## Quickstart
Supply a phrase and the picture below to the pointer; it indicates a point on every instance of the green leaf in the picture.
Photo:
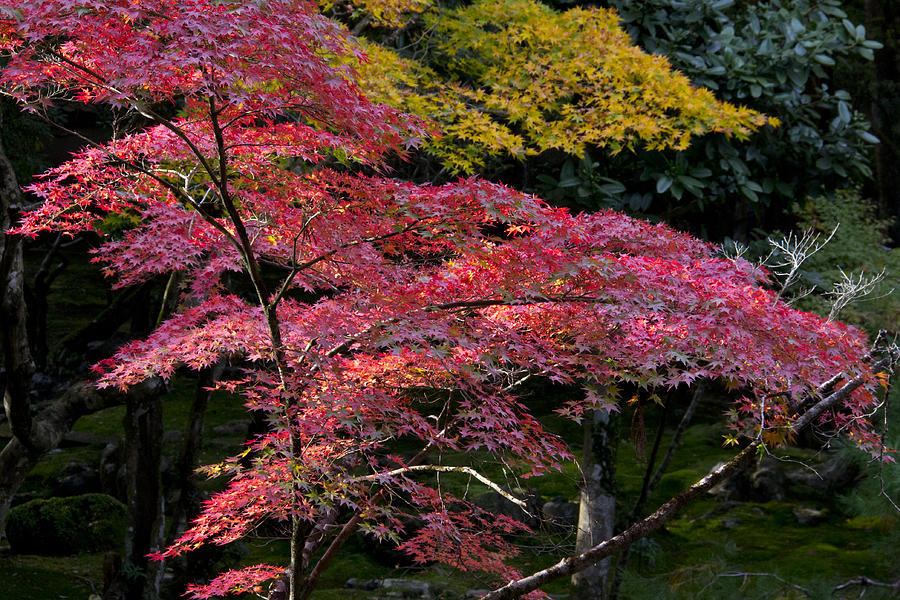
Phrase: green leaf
(663, 184)
(867, 137)
(844, 111)
(749, 194)
(850, 27)
(611, 189)
(753, 186)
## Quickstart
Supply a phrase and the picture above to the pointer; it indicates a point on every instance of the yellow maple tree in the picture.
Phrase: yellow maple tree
(516, 78)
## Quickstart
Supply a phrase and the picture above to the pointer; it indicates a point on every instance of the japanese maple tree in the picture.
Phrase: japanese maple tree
(377, 310)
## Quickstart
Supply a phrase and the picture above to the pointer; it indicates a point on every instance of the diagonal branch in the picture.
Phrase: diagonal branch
(618, 543)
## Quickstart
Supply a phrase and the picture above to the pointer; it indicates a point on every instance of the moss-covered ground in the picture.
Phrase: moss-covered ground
(703, 553)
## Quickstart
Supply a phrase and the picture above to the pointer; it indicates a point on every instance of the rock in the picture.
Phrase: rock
(808, 516)
(172, 436)
(396, 588)
(767, 481)
(88, 523)
(731, 522)
(406, 588)
(368, 585)
(834, 475)
(734, 489)
(497, 504)
(236, 427)
(42, 386)
(560, 514)
(23, 497)
(77, 479)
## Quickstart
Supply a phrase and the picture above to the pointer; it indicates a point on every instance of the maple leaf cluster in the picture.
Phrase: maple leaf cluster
(380, 310)
(517, 78)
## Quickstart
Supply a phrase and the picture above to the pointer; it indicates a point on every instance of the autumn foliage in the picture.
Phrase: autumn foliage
(517, 78)
(365, 310)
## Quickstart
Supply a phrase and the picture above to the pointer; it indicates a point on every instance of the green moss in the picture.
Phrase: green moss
(87, 523)
(26, 577)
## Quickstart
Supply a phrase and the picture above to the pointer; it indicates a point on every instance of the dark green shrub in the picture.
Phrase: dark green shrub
(88, 523)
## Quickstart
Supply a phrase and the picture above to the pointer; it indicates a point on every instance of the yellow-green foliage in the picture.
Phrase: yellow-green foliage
(519, 78)
(386, 13)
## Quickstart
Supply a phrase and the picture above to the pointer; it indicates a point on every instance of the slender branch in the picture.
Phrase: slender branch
(651, 462)
(617, 543)
(574, 564)
(676, 438)
(816, 410)
(864, 581)
(273, 304)
(142, 108)
(746, 575)
(448, 469)
(179, 193)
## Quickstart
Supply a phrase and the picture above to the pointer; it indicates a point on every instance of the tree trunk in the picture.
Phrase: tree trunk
(597, 508)
(17, 361)
(188, 499)
(882, 22)
(146, 526)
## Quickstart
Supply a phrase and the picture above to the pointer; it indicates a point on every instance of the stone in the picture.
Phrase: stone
(235, 427)
(808, 516)
(734, 489)
(834, 475)
(497, 504)
(767, 481)
(406, 588)
(367, 585)
(77, 479)
(172, 436)
(561, 514)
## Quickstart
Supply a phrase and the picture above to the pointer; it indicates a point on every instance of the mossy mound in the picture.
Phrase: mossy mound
(58, 526)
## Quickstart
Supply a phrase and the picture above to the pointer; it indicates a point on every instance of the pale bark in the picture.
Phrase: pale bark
(597, 507)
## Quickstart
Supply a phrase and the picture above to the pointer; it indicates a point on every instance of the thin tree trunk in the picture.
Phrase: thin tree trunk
(597, 508)
(650, 483)
(188, 500)
(37, 295)
(17, 359)
(882, 22)
(143, 451)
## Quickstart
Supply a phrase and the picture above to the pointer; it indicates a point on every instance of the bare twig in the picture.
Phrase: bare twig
(746, 575)
(851, 288)
(793, 252)
(865, 582)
